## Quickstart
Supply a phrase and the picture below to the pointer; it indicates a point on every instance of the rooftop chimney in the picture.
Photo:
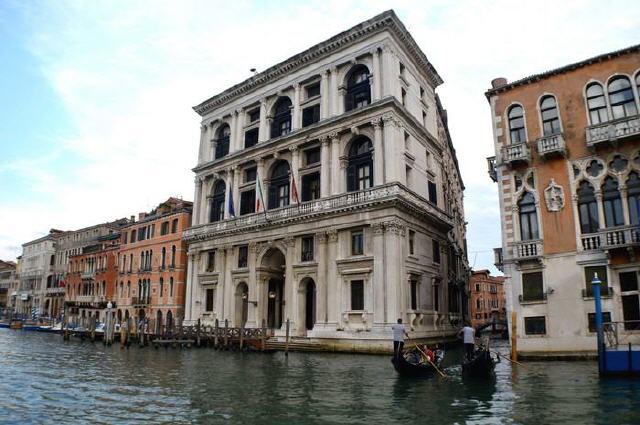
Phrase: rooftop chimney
(133, 219)
(141, 216)
(498, 82)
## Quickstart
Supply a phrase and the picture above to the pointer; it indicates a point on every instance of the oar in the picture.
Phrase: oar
(432, 364)
(507, 358)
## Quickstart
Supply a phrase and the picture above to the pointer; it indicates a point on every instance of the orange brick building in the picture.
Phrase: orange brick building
(567, 164)
(152, 263)
(91, 279)
(486, 298)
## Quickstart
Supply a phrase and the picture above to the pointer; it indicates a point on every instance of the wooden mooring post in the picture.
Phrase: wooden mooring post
(241, 335)
(263, 335)
(514, 337)
(286, 341)
(215, 334)
(226, 334)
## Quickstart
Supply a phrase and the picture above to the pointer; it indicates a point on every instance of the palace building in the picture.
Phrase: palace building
(328, 194)
(567, 164)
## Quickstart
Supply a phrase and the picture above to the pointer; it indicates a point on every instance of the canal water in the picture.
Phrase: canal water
(45, 380)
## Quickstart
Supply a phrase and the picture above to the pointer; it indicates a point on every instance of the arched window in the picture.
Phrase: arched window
(217, 202)
(222, 141)
(612, 203)
(587, 208)
(161, 286)
(171, 286)
(516, 124)
(621, 98)
(360, 167)
(141, 265)
(164, 257)
(358, 88)
(279, 185)
(281, 123)
(528, 217)
(128, 288)
(633, 193)
(596, 104)
(173, 256)
(549, 113)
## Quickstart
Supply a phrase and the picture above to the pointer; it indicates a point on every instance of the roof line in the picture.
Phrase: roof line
(562, 69)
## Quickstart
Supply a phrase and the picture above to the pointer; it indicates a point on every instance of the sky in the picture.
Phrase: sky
(95, 97)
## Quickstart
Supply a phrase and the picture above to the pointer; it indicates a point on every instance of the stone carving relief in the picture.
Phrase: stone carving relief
(554, 197)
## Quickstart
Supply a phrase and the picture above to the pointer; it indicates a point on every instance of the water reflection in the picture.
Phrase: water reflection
(44, 380)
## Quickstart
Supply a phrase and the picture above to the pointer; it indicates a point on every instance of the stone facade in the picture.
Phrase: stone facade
(486, 298)
(327, 193)
(567, 164)
(8, 286)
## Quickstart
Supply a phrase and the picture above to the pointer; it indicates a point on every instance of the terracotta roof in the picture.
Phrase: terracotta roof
(562, 69)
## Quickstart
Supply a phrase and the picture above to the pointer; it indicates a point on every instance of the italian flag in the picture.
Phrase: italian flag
(259, 197)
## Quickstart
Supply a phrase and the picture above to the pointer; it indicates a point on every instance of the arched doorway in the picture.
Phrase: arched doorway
(159, 322)
(242, 305)
(272, 268)
(119, 316)
(308, 289)
(169, 320)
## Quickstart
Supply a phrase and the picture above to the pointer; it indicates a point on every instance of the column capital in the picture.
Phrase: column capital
(332, 235)
(378, 228)
(294, 149)
(322, 237)
(254, 247)
(395, 226)
(376, 122)
(289, 242)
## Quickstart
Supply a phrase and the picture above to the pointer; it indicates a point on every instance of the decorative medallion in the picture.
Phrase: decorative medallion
(554, 197)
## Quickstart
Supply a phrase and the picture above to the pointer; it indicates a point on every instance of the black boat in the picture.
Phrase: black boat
(480, 366)
(417, 369)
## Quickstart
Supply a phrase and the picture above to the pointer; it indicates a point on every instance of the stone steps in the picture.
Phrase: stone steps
(296, 346)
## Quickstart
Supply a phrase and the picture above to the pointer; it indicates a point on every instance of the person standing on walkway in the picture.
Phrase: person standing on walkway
(468, 338)
(399, 332)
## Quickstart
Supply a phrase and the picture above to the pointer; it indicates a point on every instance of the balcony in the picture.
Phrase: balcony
(551, 145)
(605, 292)
(498, 259)
(53, 291)
(528, 250)
(135, 301)
(613, 130)
(606, 239)
(88, 275)
(539, 298)
(517, 153)
(391, 194)
(492, 169)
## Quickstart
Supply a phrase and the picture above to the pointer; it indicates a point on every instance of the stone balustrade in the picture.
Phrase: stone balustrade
(613, 130)
(551, 145)
(524, 250)
(516, 152)
(618, 237)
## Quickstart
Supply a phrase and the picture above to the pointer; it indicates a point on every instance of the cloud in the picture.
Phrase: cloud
(128, 73)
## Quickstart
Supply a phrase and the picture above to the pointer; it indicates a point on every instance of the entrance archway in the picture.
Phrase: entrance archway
(272, 268)
(159, 322)
(169, 320)
(309, 288)
(242, 305)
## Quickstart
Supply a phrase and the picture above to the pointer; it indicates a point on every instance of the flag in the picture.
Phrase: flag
(232, 211)
(259, 197)
(294, 190)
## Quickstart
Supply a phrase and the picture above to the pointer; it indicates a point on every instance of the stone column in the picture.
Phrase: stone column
(206, 189)
(291, 287)
(296, 121)
(601, 220)
(197, 202)
(335, 163)
(190, 313)
(376, 89)
(253, 319)
(321, 284)
(262, 286)
(333, 98)
(389, 72)
(228, 181)
(394, 231)
(324, 100)
(391, 144)
(211, 153)
(261, 177)
(263, 130)
(295, 165)
(334, 301)
(379, 290)
(625, 204)
(203, 143)
(239, 142)
(325, 178)
(222, 284)
(378, 153)
(233, 128)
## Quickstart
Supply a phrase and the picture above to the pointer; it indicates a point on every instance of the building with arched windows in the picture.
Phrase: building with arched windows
(338, 203)
(567, 164)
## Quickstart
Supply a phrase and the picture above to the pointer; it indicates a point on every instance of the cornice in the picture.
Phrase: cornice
(386, 20)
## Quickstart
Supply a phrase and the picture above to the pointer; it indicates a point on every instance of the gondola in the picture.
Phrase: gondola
(480, 366)
(419, 370)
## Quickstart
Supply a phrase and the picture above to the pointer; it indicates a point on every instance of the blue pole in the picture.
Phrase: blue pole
(595, 286)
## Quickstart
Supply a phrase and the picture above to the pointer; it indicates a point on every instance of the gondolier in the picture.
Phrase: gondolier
(399, 332)
(468, 338)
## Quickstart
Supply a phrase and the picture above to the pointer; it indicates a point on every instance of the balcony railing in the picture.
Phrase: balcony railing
(88, 275)
(498, 259)
(613, 130)
(605, 239)
(528, 250)
(56, 290)
(516, 153)
(551, 145)
(532, 298)
(141, 301)
(389, 193)
(605, 292)
(493, 171)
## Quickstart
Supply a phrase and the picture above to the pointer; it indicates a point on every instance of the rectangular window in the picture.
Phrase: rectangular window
(631, 312)
(243, 254)
(310, 187)
(606, 318)
(251, 138)
(153, 231)
(141, 235)
(209, 300)
(532, 287)
(307, 248)
(421, 93)
(248, 202)
(312, 156)
(250, 174)
(310, 115)
(357, 295)
(436, 251)
(126, 235)
(628, 281)
(409, 176)
(477, 287)
(402, 69)
(403, 96)
(433, 193)
(313, 90)
(357, 242)
(254, 115)
(414, 294)
(211, 261)
(535, 325)
(164, 228)
(589, 274)
(412, 239)
(174, 226)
